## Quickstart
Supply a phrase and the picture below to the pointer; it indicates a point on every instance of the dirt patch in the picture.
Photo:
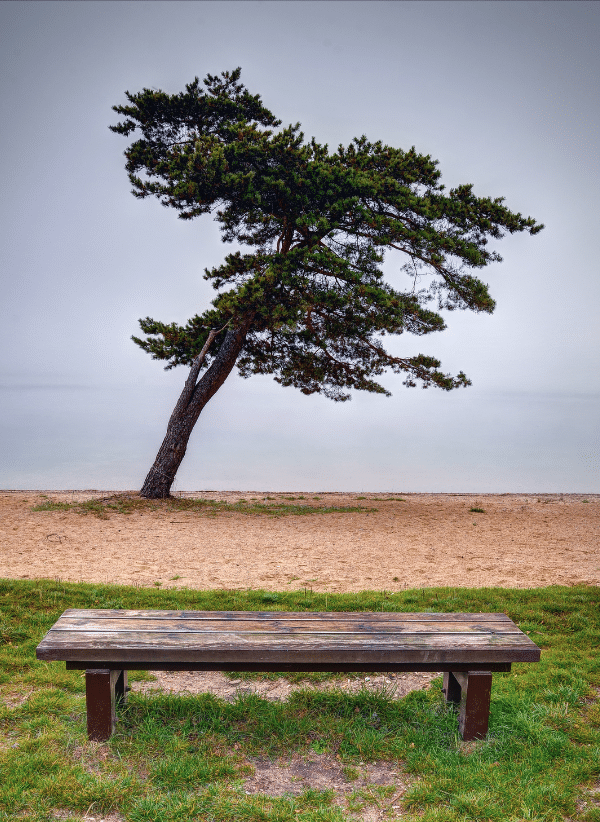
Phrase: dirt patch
(200, 682)
(519, 541)
(590, 800)
(14, 699)
(355, 789)
(69, 815)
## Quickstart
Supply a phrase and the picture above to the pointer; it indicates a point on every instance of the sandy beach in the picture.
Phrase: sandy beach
(412, 540)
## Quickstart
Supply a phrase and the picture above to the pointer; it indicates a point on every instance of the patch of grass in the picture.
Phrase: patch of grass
(476, 511)
(350, 773)
(132, 503)
(183, 758)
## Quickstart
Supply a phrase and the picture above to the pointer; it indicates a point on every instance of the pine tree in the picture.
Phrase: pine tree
(308, 302)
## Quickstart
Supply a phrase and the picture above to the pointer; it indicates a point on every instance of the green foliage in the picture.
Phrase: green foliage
(318, 225)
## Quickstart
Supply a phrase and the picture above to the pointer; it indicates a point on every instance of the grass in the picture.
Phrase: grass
(178, 758)
(129, 503)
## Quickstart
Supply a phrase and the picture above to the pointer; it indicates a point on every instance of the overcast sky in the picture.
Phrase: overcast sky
(504, 94)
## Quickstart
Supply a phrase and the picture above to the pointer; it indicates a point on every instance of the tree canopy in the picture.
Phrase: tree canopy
(317, 224)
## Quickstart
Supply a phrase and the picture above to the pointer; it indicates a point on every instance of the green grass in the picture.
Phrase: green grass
(182, 758)
(130, 503)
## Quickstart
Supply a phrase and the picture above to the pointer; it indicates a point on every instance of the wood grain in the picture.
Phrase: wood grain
(269, 638)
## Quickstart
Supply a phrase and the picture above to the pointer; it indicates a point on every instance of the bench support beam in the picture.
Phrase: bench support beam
(470, 692)
(104, 688)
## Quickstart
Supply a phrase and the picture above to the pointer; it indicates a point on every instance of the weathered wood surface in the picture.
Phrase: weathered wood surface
(300, 616)
(104, 688)
(229, 639)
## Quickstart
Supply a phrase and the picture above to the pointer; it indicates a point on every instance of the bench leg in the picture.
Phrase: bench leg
(471, 691)
(121, 688)
(103, 688)
(451, 688)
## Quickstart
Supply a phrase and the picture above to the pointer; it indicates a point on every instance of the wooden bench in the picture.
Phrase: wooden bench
(468, 648)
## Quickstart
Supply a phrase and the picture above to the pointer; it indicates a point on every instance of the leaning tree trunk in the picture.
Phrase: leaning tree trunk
(194, 397)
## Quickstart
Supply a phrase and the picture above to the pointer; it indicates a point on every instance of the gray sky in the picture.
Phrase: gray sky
(504, 95)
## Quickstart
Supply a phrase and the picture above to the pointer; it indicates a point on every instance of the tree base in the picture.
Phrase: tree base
(157, 485)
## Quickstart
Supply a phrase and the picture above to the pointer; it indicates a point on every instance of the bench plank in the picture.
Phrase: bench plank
(263, 639)
(282, 626)
(303, 616)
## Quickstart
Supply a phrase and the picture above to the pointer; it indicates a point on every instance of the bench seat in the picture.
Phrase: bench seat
(468, 648)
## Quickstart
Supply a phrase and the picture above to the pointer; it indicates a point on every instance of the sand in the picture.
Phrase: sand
(420, 540)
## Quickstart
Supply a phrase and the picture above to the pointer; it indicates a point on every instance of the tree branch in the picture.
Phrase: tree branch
(384, 354)
(190, 383)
